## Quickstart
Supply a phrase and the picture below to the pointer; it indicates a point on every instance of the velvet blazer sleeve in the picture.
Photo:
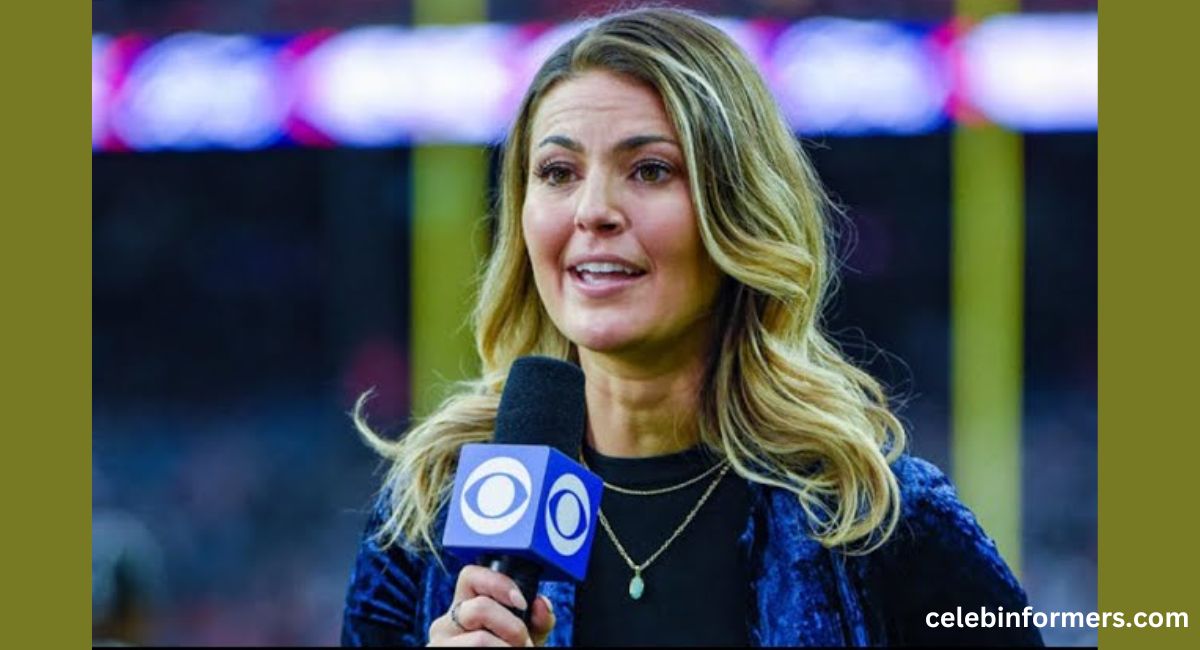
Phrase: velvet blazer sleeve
(384, 594)
(940, 559)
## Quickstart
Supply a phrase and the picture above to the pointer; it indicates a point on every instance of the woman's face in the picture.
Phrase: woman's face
(608, 220)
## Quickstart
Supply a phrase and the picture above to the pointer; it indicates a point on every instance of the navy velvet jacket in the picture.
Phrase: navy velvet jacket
(938, 559)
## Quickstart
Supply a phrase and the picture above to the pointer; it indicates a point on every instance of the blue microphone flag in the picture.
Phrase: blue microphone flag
(530, 501)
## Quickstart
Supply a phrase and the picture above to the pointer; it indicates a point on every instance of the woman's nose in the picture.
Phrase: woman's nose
(597, 211)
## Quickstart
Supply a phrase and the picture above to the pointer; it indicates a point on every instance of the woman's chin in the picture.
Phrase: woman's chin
(603, 339)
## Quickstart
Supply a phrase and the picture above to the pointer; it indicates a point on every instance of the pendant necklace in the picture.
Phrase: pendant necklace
(637, 585)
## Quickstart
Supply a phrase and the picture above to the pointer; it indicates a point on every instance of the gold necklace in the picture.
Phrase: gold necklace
(657, 491)
(637, 585)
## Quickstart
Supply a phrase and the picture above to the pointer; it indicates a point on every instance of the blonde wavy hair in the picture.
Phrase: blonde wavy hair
(779, 400)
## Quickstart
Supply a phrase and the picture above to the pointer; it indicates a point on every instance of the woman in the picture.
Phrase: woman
(660, 227)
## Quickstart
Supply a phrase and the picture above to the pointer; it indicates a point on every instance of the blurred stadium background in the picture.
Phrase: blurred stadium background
(289, 199)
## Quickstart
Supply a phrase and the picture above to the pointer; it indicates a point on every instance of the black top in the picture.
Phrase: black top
(698, 590)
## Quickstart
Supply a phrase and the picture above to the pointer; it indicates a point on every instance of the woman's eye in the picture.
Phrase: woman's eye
(555, 174)
(652, 172)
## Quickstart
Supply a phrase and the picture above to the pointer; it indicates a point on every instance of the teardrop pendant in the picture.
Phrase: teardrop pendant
(636, 586)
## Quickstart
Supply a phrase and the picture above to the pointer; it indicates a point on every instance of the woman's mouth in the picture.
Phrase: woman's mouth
(599, 279)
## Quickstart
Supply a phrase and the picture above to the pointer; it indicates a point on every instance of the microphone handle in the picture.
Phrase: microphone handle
(526, 573)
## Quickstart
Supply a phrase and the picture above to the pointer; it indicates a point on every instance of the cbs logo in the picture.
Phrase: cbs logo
(495, 495)
(568, 514)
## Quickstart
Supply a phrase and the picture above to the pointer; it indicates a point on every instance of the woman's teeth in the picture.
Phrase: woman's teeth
(606, 267)
(594, 272)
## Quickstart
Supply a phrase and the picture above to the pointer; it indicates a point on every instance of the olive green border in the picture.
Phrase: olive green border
(45, 281)
(1148, 323)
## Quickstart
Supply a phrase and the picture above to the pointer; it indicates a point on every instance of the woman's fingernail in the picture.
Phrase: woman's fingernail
(549, 605)
(518, 600)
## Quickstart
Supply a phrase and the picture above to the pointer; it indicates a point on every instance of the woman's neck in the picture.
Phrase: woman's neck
(636, 411)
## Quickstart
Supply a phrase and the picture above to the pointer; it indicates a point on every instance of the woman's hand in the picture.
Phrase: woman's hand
(480, 597)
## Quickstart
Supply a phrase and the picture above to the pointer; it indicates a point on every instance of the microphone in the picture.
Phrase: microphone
(522, 505)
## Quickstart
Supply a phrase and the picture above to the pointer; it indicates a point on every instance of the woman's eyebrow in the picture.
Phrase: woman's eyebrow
(634, 142)
(562, 141)
(628, 144)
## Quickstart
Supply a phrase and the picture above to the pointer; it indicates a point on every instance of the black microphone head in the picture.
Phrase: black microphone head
(543, 404)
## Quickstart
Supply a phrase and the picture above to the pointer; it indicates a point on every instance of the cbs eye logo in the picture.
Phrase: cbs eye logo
(568, 514)
(495, 495)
